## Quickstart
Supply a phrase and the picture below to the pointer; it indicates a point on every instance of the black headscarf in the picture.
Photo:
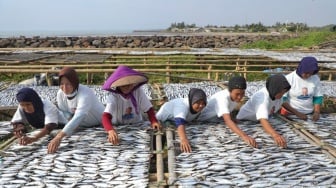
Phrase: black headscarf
(36, 119)
(275, 84)
(237, 82)
(195, 95)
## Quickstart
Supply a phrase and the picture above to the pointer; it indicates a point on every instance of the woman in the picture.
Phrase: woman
(265, 103)
(182, 111)
(79, 105)
(32, 110)
(222, 103)
(305, 95)
(126, 101)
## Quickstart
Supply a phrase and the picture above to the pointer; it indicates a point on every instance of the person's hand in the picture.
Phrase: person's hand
(250, 141)
(54, 144)
(156, 126)
(19, 130)
(316, 116)
(25, 140)
(113, 137)
(185, 146)
(302, 116)
(279, 140)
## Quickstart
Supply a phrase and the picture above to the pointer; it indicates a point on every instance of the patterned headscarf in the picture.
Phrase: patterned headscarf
(307, 65)
(195, 95)
(275, 84)
(36, 119)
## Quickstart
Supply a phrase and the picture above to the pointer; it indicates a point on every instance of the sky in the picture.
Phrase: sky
(129, 15)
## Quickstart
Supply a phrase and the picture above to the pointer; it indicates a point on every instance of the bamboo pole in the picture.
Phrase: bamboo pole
(311, 138)
(8, 142)
(171, 156)
(167, 73)
(159, 158)
(209, 74)
(134, 64)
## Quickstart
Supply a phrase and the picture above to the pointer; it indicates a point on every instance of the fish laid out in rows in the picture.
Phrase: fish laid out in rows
(84, 160)
(220, 158)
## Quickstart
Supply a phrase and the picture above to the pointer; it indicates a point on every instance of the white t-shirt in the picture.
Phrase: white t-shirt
(123, 111)
(176, 108)
(301, 94)
(85, 109)
(50, 111)
(218, 104)
(259, 106)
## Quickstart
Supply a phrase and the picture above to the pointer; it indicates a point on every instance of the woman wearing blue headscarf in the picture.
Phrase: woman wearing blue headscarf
(32, 110)
(305, 95)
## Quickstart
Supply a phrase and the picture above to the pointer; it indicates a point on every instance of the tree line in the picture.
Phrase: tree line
(254, 27)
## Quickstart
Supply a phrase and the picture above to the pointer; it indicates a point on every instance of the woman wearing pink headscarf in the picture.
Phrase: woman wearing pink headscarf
(126, 101)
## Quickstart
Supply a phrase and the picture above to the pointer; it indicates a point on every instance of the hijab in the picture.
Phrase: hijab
(275, 84)
(36, 119)
(195, 95)
(72, 76)
(122, 76)
(307, 65)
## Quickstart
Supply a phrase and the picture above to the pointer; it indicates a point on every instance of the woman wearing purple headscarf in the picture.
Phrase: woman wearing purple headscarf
(305, 96)
(32, 110)
(126, 101)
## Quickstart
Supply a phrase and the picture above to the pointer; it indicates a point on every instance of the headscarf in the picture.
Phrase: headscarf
(307, 65)
(237, 82)
(275, 84)
(122, 76)
(36, 119)
(195, 95)
(71, 75)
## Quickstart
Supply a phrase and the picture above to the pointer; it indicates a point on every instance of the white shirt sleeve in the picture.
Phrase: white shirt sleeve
(19, 116)
(50, 111)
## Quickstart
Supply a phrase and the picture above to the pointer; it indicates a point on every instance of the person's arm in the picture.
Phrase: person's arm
(300, 115)
(185, 145)
(84, 105)
(279, 140)
(154, 122)
(231, 124)
(112, 133)
(317, 101)
(46, 130)
(18, 122)
(317, 111)
(50, 119)
(55, 142)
